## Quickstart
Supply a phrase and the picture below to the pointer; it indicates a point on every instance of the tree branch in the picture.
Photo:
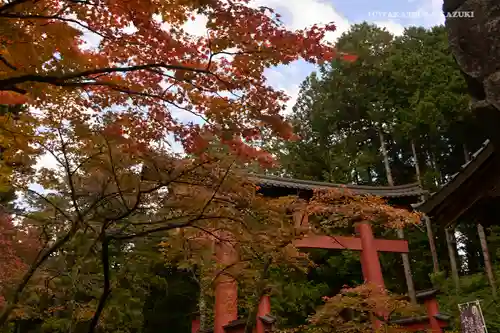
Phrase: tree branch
(115, 176)
(51, 17)
(53, 205)
(66, 80)
(107, 286)
(8, 64)
(33, 268)
(69, 176)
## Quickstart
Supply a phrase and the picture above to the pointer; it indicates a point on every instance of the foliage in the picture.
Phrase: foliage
(108, 197)
(353, 309)
(408, 86)
(472, 287)
(116, 192)
(411, 86)
(145, 60)
(12, 265)
(109, 192)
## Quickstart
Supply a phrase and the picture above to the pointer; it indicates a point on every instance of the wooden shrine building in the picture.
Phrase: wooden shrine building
(473, 194)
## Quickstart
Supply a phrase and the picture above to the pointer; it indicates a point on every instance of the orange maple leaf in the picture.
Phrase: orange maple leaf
(349, 57)
(12, 98)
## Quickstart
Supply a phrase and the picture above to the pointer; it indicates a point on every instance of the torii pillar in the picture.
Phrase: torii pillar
(226, 287)
(366, 243)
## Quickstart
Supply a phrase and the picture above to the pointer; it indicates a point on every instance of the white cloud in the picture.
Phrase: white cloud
(393, 27)
(298, 15)
(197, 27)
(433, 12)
(302, 14)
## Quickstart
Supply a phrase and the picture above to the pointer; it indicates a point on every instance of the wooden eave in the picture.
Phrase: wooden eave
(475, 180)
(408, 190)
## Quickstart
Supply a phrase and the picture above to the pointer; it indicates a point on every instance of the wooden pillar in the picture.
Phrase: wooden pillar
(487, 261)
(371, 264)
(432, 244)
(226, 287)
(369, 255)
(301, 218)
(195, 325)
(407, 269)
(450, 241)
(432, 307)
(264, 309)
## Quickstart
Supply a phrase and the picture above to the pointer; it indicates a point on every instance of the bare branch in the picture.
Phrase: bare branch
(107, 286)
(151, 231)
(53, 205)
(115, 176)
(8, 64)
(51, 17)
(69, 176)
(86, 160)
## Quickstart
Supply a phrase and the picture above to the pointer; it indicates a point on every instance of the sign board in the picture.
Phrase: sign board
(471, 318)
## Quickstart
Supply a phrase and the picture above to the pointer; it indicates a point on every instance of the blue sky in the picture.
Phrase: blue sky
(394, 15)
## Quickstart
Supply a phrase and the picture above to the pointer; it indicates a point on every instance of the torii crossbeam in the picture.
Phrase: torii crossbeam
(366, 243)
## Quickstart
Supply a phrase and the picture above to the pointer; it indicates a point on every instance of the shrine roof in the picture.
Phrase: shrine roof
(478, 161)
(408, 190)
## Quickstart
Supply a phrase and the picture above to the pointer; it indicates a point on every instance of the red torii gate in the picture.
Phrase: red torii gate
(226, 290)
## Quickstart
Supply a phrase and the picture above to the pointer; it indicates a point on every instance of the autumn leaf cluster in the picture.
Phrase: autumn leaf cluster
(137, 54)
(353, 309)
(341, 207)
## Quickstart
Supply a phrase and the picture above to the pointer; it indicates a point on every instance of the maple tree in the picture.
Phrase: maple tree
(146, 60)
(11, 264)
(110, 192)
(353, 308)
(269, 247)
(18, 247)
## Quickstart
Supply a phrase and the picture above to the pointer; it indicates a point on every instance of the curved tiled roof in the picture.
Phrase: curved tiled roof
(466, 170)
(408, 190)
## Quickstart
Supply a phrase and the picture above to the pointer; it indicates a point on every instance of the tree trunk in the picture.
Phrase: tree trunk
(430, 165)
(432, 244)
(385, 156)
(407, 269)
(487, 261)
(356, 176)
(369, 173)
(202, 307)
(400, 232)
(417, 166)
(453, 259)
(440, 179)
(466, 153)
(430, 234)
